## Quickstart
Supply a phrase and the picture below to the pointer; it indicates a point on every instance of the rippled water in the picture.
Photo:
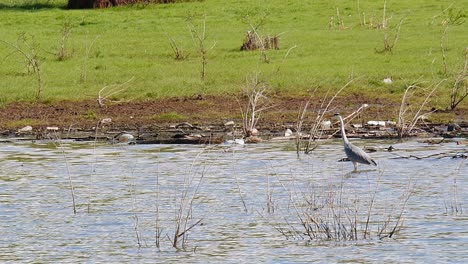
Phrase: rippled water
(245, 203)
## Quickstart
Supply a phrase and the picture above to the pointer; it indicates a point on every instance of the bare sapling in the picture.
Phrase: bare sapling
(199, 39)
(459, 89)
(109, 91)
(29, 52)
(62, 52)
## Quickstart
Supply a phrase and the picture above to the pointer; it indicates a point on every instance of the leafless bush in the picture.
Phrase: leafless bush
(460, 86)
(199, 38)
(257, 101)
(316, 124)
(28, 49)
(108, 91)
(62, 52)
(389, 45)
(254, 42)
(409, 117)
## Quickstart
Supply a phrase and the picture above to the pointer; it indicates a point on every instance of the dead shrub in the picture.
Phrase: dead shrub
(254, 42)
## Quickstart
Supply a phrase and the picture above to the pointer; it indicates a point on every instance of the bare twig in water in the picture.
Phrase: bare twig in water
(316, 131)
(405, 127)
(58, 144)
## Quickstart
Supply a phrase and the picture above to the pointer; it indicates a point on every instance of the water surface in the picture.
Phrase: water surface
(245, 202)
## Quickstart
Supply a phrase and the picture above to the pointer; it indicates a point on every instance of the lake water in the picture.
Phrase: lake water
(251, 203)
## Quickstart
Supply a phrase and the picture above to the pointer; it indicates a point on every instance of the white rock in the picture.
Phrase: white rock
(125, 137)
(288, 133)
(376, 123)
(52, 128)
(387, 80)
(326, 124)
(239, 141)
(106, 121)
(253, 132)
(25, 129)
(229, 123)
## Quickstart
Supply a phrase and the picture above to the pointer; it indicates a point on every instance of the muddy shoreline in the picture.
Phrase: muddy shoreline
(208, 119)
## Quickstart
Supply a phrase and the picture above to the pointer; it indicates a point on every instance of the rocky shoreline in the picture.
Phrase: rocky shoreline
(185, 133)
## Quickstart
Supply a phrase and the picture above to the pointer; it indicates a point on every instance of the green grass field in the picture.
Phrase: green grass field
(324, 49)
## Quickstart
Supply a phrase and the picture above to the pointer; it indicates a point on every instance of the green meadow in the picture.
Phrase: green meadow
(323, 44)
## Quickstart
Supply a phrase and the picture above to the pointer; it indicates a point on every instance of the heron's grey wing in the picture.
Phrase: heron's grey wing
(356, 154)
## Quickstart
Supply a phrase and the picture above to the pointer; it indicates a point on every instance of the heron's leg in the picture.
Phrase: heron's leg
(355, 165)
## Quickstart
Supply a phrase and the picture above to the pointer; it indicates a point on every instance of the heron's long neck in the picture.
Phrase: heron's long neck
(343, 134)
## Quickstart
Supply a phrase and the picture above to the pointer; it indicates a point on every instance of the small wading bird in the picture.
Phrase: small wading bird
(354, 153)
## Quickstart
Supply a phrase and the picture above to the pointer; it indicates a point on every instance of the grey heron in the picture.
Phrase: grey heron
(354, 153)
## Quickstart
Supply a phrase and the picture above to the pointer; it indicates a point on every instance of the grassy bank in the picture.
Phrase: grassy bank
(326, 42)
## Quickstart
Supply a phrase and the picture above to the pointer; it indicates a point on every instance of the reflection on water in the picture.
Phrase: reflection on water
(240, 203)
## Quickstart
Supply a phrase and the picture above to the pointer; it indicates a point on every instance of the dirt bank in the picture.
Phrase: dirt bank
(201, 116)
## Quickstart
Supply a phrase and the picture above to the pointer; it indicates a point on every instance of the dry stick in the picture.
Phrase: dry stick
(399, 218)
(72, 189)
(321, 115)
(158, 230)
(371, 205)
(417, 116)
(441, 13)
(239, 188)
(360, 15)
(443, 40)
(384, 19)
(402, 111)
(135, 216)
(458, 205)
(93, 164)
(115, 88)
(183, 205)
(262, 45)
(85, 60)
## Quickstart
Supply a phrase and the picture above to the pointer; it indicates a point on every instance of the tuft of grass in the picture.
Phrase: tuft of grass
(90, 115)
(168, 117)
